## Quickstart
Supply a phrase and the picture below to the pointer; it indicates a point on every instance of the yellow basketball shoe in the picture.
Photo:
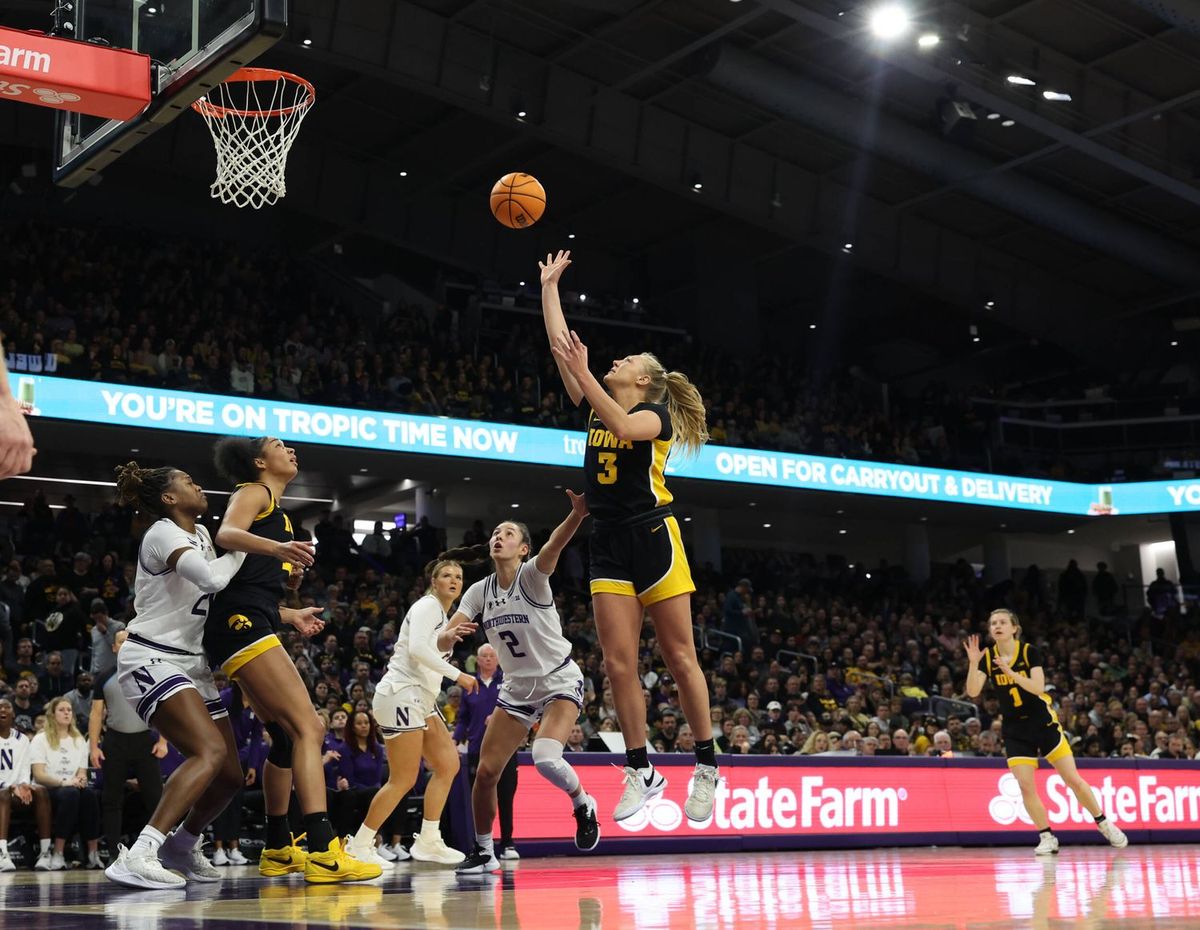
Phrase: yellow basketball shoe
(335, 865)
(275, 862)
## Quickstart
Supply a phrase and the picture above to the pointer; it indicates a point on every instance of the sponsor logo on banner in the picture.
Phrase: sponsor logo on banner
(15, 57)
(912, 799)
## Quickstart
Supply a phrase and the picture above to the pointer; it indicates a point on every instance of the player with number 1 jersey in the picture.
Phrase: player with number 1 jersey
(541, 681)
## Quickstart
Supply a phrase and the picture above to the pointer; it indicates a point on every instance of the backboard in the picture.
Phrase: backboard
(194, 45)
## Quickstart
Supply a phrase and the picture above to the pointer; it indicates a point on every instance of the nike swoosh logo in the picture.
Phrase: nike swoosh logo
(287, 861)
(330, 868)
(656, 529)
(649, 780)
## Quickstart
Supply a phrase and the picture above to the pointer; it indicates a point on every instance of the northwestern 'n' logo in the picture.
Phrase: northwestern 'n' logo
(6, 760)
(143, 678)
(401, 716)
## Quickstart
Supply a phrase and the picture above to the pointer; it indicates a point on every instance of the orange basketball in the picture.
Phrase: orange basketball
(518, 200)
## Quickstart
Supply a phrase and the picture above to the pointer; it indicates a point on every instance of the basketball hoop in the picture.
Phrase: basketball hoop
(254, 117)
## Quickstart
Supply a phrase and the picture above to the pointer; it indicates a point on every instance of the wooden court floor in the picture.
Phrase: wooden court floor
(1084, 887)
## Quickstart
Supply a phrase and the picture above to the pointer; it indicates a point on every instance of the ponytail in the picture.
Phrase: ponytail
(685, 406)
(144, 486)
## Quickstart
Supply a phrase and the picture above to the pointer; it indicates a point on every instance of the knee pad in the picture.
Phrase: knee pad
(548, 759)
(280, 754)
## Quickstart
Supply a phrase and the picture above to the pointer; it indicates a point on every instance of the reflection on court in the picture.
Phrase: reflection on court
(1084, 887)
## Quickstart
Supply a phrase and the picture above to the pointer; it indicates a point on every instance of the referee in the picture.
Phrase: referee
(473, 715)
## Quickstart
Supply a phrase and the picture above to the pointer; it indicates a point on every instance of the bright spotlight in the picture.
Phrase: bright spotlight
(1021, 80)
(1056, 95)
(929, 40)
(889, 21)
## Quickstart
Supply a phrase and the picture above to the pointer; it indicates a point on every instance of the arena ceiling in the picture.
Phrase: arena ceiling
(1079, 222)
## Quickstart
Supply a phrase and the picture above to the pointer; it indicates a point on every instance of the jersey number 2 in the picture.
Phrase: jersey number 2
(609, 461)
(200, 608)
(511, 641)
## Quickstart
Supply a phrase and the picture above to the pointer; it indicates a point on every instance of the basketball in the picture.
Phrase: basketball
(518, 200)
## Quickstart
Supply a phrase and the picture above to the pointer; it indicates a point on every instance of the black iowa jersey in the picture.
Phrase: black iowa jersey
(626, 478)
(1018, 706)
(264, 574)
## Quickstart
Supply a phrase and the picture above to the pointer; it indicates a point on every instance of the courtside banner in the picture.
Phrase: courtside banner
(832, 801)
(126, 405)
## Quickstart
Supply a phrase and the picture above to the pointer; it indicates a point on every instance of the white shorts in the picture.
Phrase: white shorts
(526, 699)
(402, 709)
(149, 674)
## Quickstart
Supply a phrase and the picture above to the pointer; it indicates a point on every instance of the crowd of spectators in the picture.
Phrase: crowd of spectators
(803, 655)
(117, 307)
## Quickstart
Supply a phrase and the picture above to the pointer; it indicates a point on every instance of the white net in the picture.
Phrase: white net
(254, 117)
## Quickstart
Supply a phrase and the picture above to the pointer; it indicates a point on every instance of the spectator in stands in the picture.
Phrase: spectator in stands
(738, 614)
(1160, 594)
(26, 706)
(81, 699)
(376, 546)
(1072, 591)
(53, 680)
(104, 634)
(81, 580)
(58, 760)
(17, 788)
(62, 629)
(576, 741)
(360, 773)
(988, 746)
(1104, 588)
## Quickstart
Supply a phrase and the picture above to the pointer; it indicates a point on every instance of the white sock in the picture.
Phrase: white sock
(431, 829)
(45, 846)
(581, 799)
(148, 843)
(365, 837)
(181, 839)
(484, 842)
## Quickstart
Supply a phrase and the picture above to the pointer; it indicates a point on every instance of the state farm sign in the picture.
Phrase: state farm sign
(895, 799)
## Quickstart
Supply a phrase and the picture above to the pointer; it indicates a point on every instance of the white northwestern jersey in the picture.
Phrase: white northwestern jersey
(415, 661)
(170, 610)
(521, 623)
(14, 759)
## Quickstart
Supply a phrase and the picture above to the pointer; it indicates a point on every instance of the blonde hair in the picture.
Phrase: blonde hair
(52, 734)
(437, 566)
(685, 406)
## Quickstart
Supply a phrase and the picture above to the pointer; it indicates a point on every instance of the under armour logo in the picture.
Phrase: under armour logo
(52, 96)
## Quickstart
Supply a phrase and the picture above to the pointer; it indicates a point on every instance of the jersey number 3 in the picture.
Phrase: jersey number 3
(609, 461)
(511, 641)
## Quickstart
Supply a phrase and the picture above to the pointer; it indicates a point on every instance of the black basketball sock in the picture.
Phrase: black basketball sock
(1046, 830)
(319, 830)
(636, 758)
(706, 752)
(278, 833)
(1101, 819)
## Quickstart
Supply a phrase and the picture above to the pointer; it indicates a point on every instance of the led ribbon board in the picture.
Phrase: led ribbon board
(219, 414)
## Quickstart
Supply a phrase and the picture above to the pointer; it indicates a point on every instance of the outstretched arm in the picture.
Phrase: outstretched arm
(547, 558)
(552, 315)
(572, 354)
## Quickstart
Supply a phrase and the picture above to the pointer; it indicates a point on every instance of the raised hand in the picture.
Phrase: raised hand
(974, 652)
(16, 442)
(452, 635)
(553, 267)
(306, 620)
(571, 351)
(578, 503)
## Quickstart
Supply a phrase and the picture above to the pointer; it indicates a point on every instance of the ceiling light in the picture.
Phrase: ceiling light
(753, 503)
(889, 21)
(1056, 95)
(990, 304)
(766, 526)
(697, 185)
(404, 174)
(1020, 80)
(521, 114)
(1009, 122)
(841, 532)
(848, 247)
(570, 235)
(812, 325)
(635, 300)
(687, 519)
(1174, 342)
(515, 506)
(929, 40)
(466, 478)
(993, 116)
(974, 338)
(363, 470)
(306, 42)
(520, 284)
(1070, 532)
(582, 298)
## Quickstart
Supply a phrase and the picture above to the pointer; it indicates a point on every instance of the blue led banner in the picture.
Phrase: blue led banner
(126, 405)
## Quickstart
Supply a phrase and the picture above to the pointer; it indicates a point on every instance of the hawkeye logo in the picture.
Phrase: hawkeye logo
(239, 623)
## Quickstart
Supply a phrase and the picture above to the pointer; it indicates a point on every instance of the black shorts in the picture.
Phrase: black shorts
(1025, 741)
(642, 559)
(239, 628)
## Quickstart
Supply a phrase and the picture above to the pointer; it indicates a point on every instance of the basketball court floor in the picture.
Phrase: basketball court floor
(1092, 887)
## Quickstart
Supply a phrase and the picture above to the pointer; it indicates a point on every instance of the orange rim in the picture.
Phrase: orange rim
(250, 75)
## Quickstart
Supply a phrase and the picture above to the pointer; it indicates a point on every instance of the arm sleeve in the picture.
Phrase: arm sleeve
(209, 577)
(471, 605)
(424, 618)
(535, 585)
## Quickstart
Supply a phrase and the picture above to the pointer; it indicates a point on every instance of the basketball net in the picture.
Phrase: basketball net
(254, 117)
